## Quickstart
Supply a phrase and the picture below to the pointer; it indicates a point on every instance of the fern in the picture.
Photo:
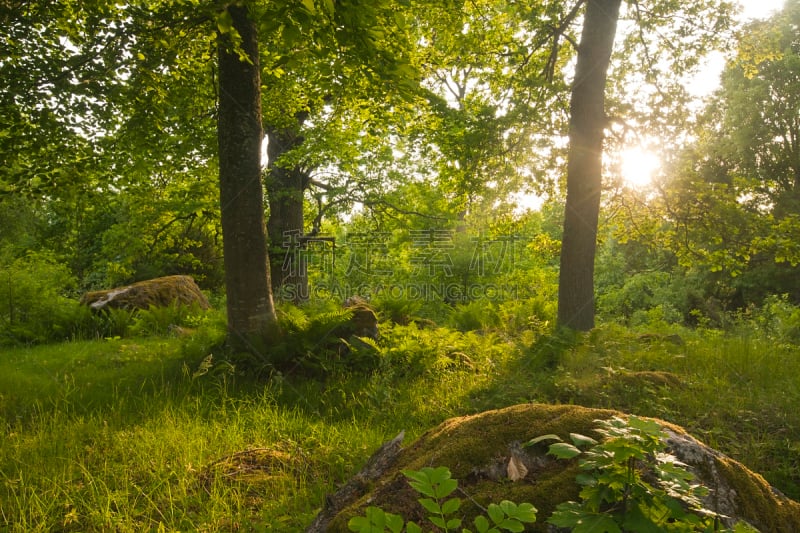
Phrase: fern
(292, 319)
(324, 326)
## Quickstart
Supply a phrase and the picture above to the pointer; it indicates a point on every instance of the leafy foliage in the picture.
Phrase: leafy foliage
(35, 305)
(630, 483)
(435, 484)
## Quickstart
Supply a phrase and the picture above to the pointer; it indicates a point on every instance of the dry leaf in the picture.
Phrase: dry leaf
(516, 469)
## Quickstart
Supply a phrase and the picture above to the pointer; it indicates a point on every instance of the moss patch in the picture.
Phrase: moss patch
(758, 502)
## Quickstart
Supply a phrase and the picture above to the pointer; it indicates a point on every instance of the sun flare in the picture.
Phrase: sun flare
(637, 166)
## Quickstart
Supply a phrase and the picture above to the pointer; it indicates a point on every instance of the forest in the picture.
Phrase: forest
(399, 212)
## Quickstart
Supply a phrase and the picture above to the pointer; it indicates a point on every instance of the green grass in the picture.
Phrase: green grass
(126, 435)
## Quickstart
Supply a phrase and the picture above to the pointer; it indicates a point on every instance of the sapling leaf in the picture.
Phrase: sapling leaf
(451, 506)
(453, 523)
(582, 440)
(481, 524)
(420, 482)
(412, 527)
(377, 516)
(573, 516)
(445, 488)
(637, 520)
(508, 507)
(359, 524)
(563, 450)
(509, 524)
(495, 513)
(394, 522)
(438, 521)
(437, 475)
(648, 427)
(595, 523)
(586, 479)
(430, 505)
(525, 512)
(416, 475)
(375, 519)
(541, 438)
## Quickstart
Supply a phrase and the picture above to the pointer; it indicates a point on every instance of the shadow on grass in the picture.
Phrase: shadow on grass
(94, 377)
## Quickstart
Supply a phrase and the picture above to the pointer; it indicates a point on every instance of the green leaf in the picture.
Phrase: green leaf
(637, 520)
(495, 513)
(394, 522)
(453, 523)
(438, 521)
(420, 482)
(437, 475)
(376, 520)
(648, 427)
(291, 34)
(597, 524)
(481, 524)
(412, 527)
(509, 524)
(571, 515)
(508, 507)
(359, 524)
(377, 517)
(563, 450)
(430, 505)
(582, 440)
(445, 488)
(541, 438)
(224, 22)
(451, 506)
(416, 475)
(309, 6)
(400, 19)
(525, 512)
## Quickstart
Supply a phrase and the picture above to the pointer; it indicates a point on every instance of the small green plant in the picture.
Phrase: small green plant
(436, 484)
(161, 320)
(618, 494)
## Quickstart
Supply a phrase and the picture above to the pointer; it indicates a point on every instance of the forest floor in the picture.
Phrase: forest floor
(150, 433)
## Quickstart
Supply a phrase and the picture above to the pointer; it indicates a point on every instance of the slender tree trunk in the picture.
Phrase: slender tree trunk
(285, 226)
(251, 313)
(584, 167)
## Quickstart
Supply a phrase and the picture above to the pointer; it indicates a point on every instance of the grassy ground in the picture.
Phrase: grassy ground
(140, 434)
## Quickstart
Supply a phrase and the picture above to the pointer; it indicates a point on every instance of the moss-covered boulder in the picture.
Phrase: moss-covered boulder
(158, 292)
(364, 321)
(478, 450)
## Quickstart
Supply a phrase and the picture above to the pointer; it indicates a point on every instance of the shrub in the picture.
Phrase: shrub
(34, 303)
(630, 483)
(778, 319)
(474, 316)
(434, 485)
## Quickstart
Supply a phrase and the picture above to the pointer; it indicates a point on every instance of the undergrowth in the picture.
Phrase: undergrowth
(141, 432)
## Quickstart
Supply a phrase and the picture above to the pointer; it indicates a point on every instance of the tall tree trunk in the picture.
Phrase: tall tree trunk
(285, 226)
(584, 167)
(251, 313)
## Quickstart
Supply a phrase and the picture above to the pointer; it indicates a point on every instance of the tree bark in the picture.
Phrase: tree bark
(285, 226)
(584, 166)
(251, 313)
